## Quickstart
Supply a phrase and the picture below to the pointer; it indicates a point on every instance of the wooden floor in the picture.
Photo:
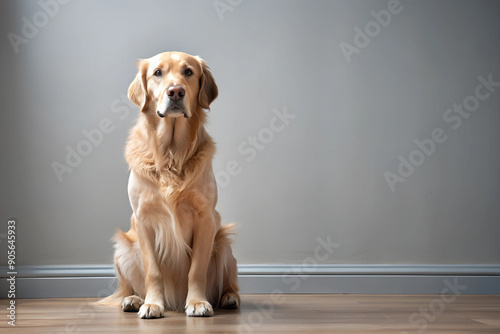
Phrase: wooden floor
(266, 314)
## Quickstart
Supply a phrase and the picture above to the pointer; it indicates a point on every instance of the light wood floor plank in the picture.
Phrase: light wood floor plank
(261, 314)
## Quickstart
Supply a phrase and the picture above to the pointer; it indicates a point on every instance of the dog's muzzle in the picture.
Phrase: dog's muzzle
(174, 106)
(172, 114)
(173, 110)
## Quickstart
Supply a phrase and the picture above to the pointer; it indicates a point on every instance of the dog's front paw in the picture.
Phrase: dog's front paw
(150, 311)
(199, 309)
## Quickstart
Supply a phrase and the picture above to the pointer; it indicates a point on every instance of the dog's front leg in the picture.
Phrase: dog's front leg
(203, 237)
(153, 306)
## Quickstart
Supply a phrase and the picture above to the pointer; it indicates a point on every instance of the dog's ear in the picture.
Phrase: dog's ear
(138, 89)
(208, 89)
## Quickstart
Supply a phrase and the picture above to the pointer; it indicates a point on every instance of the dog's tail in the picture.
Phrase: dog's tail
(223, 237)
(115, 299)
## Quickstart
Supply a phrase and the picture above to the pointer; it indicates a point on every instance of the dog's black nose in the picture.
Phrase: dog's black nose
(176, 92)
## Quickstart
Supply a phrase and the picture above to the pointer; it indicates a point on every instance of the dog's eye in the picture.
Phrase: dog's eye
(188, 72)
(157, 73)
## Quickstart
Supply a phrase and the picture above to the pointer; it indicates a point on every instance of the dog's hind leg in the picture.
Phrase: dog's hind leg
(230, 298)
(130, 291)
(224, 269)
(131, 303)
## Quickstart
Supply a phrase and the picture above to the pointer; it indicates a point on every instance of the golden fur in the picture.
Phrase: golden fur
(176, 255)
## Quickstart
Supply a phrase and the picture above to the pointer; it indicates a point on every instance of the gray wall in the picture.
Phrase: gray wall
(321, 174)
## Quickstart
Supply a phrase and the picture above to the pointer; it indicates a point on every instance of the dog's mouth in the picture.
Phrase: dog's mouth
(173, 110)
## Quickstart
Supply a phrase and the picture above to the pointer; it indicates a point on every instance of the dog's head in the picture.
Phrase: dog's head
(173, 84)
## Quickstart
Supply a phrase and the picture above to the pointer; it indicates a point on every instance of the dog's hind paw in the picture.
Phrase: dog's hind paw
(132, 303)
(230, 301)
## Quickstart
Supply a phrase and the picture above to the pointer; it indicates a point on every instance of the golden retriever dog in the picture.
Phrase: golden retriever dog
(176, 255)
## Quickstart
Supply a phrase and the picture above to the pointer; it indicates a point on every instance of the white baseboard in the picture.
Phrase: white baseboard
(98, 280)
